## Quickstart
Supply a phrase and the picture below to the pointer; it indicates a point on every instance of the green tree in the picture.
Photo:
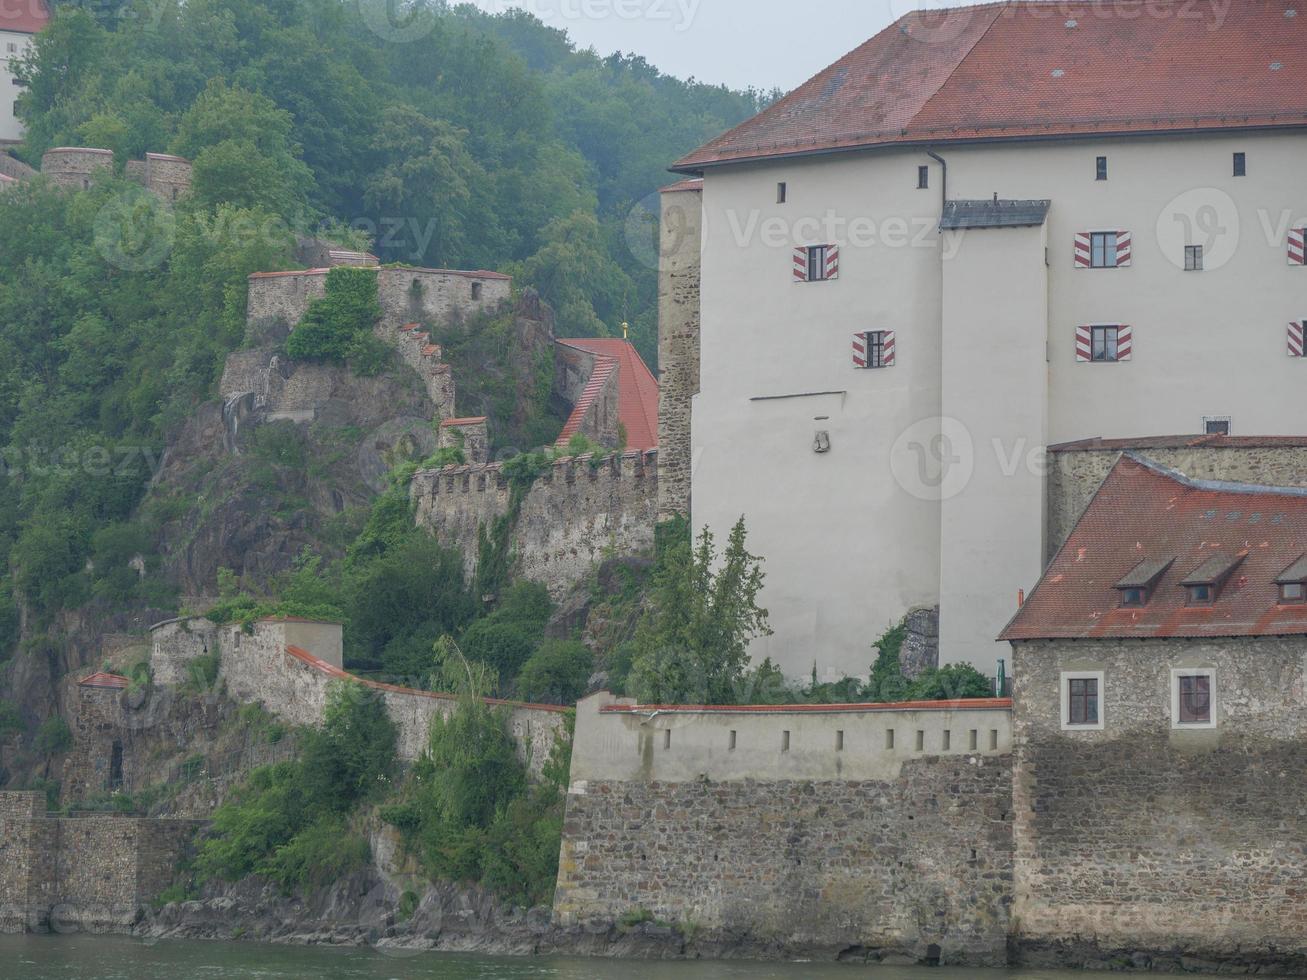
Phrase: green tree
(557, 673)
(691, 645)
(338, 325)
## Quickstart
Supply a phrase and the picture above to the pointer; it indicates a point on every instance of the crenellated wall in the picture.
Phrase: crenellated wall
(570, 517)
(810, 829)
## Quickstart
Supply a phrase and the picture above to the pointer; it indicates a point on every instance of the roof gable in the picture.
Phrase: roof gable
(637, 391)
(1032, 69)
(1239, 536)
(23, 16)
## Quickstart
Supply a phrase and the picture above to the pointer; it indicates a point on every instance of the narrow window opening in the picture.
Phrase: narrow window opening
(1193, 258)
(732, 742)
(1100, 168)
(923, 177)
(667, 739)
(839, 741)
(889, 738)
(116, 766)
(476, 290)
(993, 739)
(785, 741)
(781, 191)
(921, 740)
(1240, 165)
(973, 741)
(948, 740)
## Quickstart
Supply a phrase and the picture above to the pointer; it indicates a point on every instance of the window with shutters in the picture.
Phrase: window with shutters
(1105, 343)
(873, 349)
(1082, 699)
(1193, 258)
(1193, 697)
(1102, 250)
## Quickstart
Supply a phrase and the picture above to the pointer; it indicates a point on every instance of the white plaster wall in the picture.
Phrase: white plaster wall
(636, 748)
(995, 406)
(12, 45)
(848, 549)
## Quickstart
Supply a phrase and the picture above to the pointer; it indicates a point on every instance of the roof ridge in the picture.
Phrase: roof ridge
(998, 12)
(1215, 486)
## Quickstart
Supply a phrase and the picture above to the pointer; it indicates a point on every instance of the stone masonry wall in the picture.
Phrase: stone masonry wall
(1161, 847)
(258, 668)
(903, 851)
(1074, 475)
(681, 229)
(89, 873)
(569, 518)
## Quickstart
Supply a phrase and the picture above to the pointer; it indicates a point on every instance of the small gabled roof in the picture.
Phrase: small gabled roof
(1145, 574)
(103, 679)
(1240, 537)
(637, 390)
(1295, 573)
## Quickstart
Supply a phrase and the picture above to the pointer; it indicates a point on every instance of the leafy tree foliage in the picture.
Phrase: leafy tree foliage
(557, 673)
(692, 643)
(339, 325)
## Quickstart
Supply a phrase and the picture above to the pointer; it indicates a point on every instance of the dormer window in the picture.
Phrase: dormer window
(1292, 583)
(1137, 586)
(1204, 583)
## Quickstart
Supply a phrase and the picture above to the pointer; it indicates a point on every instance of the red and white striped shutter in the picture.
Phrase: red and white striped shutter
(1122, 248)
(832, 261)
(800, 263)
(1295, 339)
(887, 358)
(1124, 342)
(1083, 344)
(1082, 250)
(859, 350)
(1296, 255)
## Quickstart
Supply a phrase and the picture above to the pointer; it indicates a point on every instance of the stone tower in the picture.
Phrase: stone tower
(680, 245)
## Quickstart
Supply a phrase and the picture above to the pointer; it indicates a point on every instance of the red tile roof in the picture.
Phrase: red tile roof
(689, 184)
(637, 394)
(1145, 512)
(23, 16)
(467, 273)
(963, 704)
(1180, 442)
(471, 420)
(1022, 69)
(102, 679)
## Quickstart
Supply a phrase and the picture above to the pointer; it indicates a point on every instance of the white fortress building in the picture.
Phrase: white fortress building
(985, 231)
(19, 21)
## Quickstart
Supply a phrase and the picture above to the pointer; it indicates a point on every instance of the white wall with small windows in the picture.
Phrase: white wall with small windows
(1143, 335)
(12, 45)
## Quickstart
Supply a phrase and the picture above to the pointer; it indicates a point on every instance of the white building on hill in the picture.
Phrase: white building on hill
(19, 21)
(984, 231)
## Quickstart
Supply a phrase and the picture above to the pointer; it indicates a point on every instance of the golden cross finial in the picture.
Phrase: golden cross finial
(625, 329)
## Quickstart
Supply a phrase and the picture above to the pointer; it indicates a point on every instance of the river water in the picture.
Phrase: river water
(120, 958)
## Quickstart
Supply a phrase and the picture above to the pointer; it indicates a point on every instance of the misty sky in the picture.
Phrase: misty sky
(764, 43)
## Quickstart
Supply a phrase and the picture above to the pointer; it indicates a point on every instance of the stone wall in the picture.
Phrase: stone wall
(1161, 847)
(86, 873)
(470, 435)
(1077, 470)
(681, 230)
(292, 683)
(167, 176)
(794, 838)
(75, 166)
(176, 643)
(570, 517)
(920, 649)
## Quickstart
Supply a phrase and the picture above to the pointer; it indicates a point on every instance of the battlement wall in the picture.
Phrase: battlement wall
(570, 517)
(165, 175)
(808, 825)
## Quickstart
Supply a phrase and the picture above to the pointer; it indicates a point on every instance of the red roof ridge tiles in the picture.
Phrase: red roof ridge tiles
(961, 704)
(1026, 69)
(1098, 443)
(105, 680)
(637, 390)
(469, 420)
(1147, 511)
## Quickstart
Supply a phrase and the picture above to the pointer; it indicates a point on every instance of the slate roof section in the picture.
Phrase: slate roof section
(1297, 572)
(1038, 70)
(637, 391)
(23, 16)
(993, 213)
(1145, 511)
(1144, 574)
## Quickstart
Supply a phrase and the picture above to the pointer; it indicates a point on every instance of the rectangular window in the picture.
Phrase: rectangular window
(1193, 697)
(948, 740)
(921, 740)
(1105, 343)
(1100, 168)
(993, 740)
(1102, 250)
(1134, 597)
(780, 192)
(816, 263)
(732, 740)
(785, 741)
(973, 741)
(667, 739)
(1193, 258)
(1216, 426)
(889, 738)
(476, 290)
(839, 741)
(923, 177)
(1199, 595)
(1082, 699)
(1240, 165)
(875, 348)
(1292, 593)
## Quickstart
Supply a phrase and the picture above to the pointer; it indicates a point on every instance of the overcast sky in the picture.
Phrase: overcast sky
(764, 43)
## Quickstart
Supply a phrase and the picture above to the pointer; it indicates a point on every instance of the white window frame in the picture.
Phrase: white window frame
(1176, 674)
(1064, 696)
(1229, 423)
